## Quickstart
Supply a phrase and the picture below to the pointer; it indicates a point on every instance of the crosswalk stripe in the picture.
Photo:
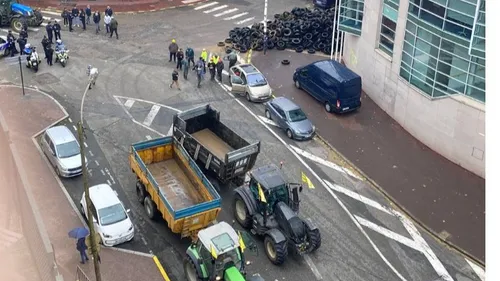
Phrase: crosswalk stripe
(129, 103)
(6, 31)
(51, 13)
(33, 29)
(236, 16)
(189, 1)
(215, 9)
(226, 12)
(47, 18)
(151, 115)
(206, 5)
(245, 20)
(43, 24)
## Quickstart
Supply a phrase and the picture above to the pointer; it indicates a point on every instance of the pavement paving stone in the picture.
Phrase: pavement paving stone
(443, 196)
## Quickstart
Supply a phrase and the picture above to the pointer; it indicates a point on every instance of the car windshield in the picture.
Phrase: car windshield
(68, 149)
(112, 214)
(296, 115)
(255, 80)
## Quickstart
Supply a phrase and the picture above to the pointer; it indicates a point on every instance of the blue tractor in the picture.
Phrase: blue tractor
(15, 15)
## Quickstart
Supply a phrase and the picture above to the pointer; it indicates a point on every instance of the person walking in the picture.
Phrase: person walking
(175, 79)
(211, 69)
(88, 13)
(50, 55)
(83, 19)
(49, 30)
(97, 241)
(173, 48)
(185, 67)
(64, 15)
(107, 21)
(113, 27)
(180, 57)
(97, 20)
(57, 30)
(82, 247)
(70, 21)
(219, 67)
(200, 65)
(204, 57)
(75, 13)
(190, 56)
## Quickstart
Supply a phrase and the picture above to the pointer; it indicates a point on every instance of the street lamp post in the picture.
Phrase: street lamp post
(265, 17)
(90, 217)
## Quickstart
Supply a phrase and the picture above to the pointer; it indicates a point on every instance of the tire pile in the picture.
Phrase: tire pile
(301, 29)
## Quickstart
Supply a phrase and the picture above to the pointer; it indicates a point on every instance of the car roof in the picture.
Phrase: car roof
(206, 236)
(336, 70)
(269, 176)
(60, 134)
(102, 196)
(248, 68)
(285, 104)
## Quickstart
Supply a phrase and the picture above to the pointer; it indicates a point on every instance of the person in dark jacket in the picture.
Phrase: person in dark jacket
(88, 13)
(97, 20)
(211, 69)
(219, 66)
(108, 11)
(57, 30)
(185, 68)
(49, 30)
(190, 56)
(75, 13)
(175, 79)
(83, 19)
(50, 55)
(22, 42)
(113, 26)
(180, 57)
(64, 15)
(45, 44)
(173, 48)
(82, 248)
(12, 40)
(24, 34)
(200, 66)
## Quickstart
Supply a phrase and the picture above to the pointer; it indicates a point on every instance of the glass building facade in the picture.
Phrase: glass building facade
(388, 26)
(351, 16)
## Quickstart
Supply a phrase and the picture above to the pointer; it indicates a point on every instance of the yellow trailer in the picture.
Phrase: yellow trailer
(171, 185)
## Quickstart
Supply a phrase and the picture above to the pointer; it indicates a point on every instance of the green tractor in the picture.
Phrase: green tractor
(218, 255)
(269, 206)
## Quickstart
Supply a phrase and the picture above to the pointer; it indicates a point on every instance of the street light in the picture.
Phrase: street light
(265, 17)
(90, 217)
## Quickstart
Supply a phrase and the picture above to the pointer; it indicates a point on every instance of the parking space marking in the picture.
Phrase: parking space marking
(74, 128)
(226, 12)
(151, 115)
(235, 17)
(96, 163)
(206, 5)
(477, 269)
(129, 103)
(85, 144)
(268, 121)
(148, 137)
(215, 9)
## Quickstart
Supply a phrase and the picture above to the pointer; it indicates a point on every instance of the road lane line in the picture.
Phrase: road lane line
(477, 269)
(318, 178)
(324, 162)
(148, 137)
(70, 121)
(268, 121)
(129, 103)
(215, 9)
(245, 20)
(145, 101)
(151, 115)
(91, 154)
(74, 128)
(89, 171)
(189, 1)
(236, 16)
(388, 233)
(171, 130)
(85, 144)
(102, 172)
(313, 267)
(226, 12)
(109, 183)
(51, 13)
(96, 163)
(359, 197)
(206, 5)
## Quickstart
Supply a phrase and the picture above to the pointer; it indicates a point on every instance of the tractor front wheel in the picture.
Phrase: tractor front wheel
(190, 271)
(276, 252)
(241, 212)
(314, 239)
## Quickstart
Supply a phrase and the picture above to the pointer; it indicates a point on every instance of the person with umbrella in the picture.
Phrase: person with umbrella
(79, 234)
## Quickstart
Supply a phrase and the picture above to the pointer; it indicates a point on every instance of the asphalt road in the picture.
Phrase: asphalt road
(135, 68)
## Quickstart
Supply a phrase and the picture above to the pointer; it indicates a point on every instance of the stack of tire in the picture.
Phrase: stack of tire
(301, 29)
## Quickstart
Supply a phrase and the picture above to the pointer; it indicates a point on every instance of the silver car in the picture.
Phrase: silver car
(63, 151)
(247, 80)
(289, 117)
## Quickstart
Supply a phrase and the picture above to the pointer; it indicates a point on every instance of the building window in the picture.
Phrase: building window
(478, 41)
(388, 26)
(351, 16)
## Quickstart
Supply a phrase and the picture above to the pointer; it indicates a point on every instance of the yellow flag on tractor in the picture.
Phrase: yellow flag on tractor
(262, 197)
(307, 181)
(242, 244)
(213, 252)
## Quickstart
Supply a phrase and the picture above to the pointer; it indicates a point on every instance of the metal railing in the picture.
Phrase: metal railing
(80, 275)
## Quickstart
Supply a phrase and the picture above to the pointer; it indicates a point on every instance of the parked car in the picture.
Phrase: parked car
(63, 151)
(247, 80)
(331, 83)
(3, 45)
(110, 219)
(289, 117)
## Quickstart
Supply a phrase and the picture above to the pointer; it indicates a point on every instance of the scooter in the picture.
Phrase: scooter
(62, 57)
(32, 59)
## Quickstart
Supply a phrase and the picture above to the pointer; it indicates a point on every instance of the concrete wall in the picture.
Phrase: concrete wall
(451, 126)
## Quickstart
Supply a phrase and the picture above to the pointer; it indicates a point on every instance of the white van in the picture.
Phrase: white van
(111, 219)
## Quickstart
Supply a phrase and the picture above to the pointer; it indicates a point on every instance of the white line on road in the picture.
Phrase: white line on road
(359, 197)
(206, 5)
(324, 162)
(70, 121)
(51, 13)
(388, 233)
(148, 137)
(226, 12)
(43, 24)
(129, 103)
(245, 20)
(116, 193)
(145, 101)
(268, 121)
(91, 154)
(313, 267)
(89, 171)
(189, 1)
(151, 115)
(6, 31)
(477, 269)
(96, 163)
(236, 16)
(102, 172)
(171, 130)
(215, 9)
(74, 128)
(109, 183)
(33, 29)
(85, 144)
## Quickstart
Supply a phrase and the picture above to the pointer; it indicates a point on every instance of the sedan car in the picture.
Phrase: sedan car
(289, 117)
(247, 80)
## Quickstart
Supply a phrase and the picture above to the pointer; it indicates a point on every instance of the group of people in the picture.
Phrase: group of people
(49, 51)
(83, 18)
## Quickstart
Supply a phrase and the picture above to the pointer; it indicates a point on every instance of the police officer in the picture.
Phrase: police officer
(22, 43)
(211, 68)
(50, 31)
(50, 53)
(45, 44)
(23, 34)
(57, 30)
(12, 40)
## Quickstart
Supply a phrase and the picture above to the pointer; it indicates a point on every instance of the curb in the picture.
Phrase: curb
(401, 207)
(160, 268)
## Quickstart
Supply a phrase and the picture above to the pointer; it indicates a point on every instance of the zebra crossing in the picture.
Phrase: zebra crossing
(225, 12)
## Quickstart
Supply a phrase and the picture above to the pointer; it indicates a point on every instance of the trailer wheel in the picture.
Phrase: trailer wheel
(241, 212)
(150, 207)
(276, 252)
(140, 191)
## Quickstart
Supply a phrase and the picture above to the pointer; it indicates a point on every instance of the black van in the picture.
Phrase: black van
(334, 85)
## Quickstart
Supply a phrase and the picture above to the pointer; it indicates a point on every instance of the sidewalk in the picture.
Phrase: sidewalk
(447, 199)
(25, 117)
(117, 6)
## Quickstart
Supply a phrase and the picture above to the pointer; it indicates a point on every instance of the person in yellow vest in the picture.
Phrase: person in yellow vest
(204, 57)
(97, 239)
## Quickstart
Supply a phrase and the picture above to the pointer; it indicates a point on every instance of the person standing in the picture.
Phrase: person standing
(204, 57)
(97, 20)
(22, 43)
(75, 13)
(82, 19)
(190, 56)
(108, 11)
(12, 43)
(64, 15)
(175, 79)
(50, 55)
(49, 30)
(173, 48)
(57, 30)
(219, 67)
(45, 44)
(88, 13)
(23, 33)
(180, 57)
(107, 21)
(211, 69)
(113, 26)
(232, 57)
(97, 242)
(200, 70)
(185, 67)
(82, 247)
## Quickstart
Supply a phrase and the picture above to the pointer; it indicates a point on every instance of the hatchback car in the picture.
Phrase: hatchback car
(247, 80)
(111, 220)
(289, 117)
(63, 151)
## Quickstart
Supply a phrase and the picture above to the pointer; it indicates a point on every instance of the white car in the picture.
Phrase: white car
(111, 219)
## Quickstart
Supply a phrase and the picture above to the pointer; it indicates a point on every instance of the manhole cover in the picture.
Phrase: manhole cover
(46, 78)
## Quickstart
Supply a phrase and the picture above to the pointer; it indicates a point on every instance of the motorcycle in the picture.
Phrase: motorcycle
(62, 57)
(33, 60)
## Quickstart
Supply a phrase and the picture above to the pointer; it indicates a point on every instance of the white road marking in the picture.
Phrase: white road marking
(226, 12)
(318, 178)
(148, 137)
(145, 101)
(189, 1)
(129, 103)
(171, 130)
(236, 16)
(43, 24)
(89, 171)
(359, 197)
(313, 267)
(47, 18)
(74, 128)
(33, 29)
(151, 115)
(245, 20)
(91, 154)
(224, 72)
(215, 9)
(206, 5)
(70, 121)
(51, 13)
(102, 172)
(109, 183)
(85, 144)
(477, 269)
(109, 175)
(6, 31)
(268, 121)
(96, 163)
(324, 162)
(388, 233)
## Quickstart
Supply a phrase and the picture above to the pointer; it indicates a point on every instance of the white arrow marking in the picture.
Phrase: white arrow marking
(226, 12)
(236, 16)
(206, 5)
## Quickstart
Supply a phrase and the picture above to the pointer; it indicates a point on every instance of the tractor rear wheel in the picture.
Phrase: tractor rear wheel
(314, 239)
(16, 25)
(276, 252)
(190, 271)
(241, 212)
